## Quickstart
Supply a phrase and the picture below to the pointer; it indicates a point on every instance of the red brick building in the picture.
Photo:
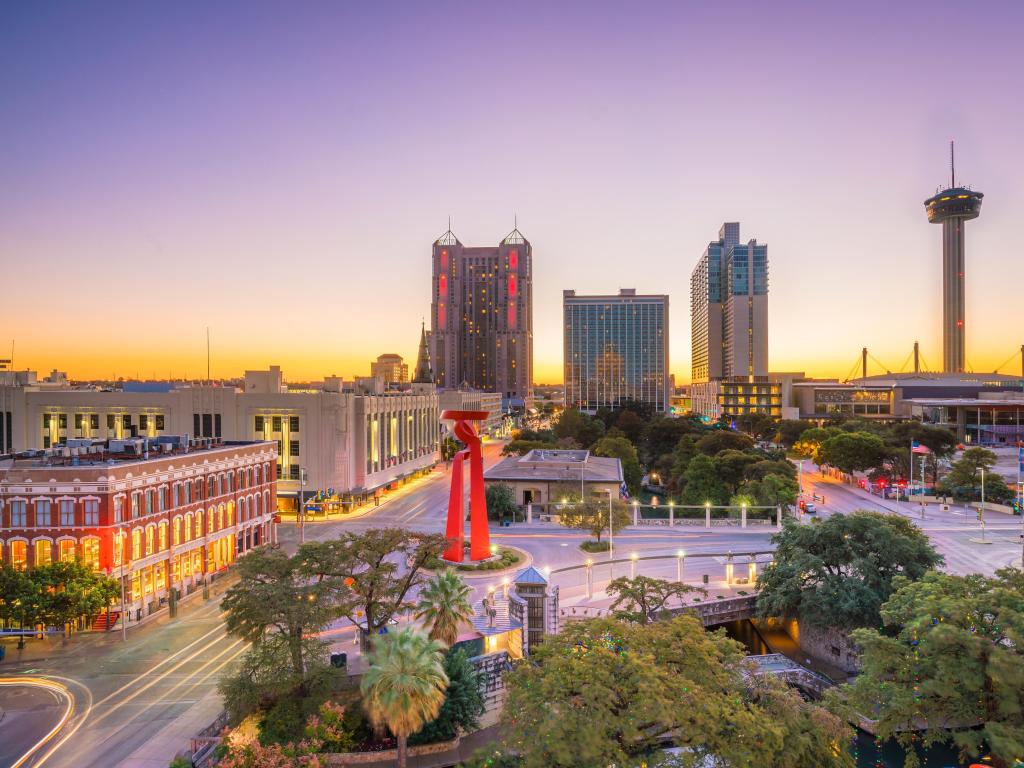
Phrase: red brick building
(160, 513)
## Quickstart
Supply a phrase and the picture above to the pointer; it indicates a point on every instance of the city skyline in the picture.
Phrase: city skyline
(290, 186)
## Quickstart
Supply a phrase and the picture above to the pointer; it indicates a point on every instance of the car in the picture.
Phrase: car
(808, 507)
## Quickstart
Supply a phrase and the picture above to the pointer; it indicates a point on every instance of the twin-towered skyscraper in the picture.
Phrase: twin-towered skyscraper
(481, 317)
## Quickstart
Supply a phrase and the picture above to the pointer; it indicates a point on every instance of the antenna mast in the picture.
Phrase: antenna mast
(952, 167)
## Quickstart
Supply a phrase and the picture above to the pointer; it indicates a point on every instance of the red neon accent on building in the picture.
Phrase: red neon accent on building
(479, 534)
(511, 315)
(442, 284)
(511, 285)
(513, 259)
(444, 260)
(440, 314)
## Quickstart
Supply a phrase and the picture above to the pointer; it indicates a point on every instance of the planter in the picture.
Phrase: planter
(364, 758)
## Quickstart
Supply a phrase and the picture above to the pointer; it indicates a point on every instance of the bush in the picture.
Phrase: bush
(594, 546)
(507, 558)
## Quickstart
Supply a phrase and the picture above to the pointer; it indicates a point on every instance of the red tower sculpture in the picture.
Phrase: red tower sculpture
(479, 535)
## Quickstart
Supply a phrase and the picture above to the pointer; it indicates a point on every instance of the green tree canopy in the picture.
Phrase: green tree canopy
(604, 692)
(837, 572)
(369, 576)
(760, 426)
(724, 440)
(463, 702)
(731, 467)
(444, 605)
(790, 431)
(964, 479)
(642, 599)
(852, 452)
(765, 467)
(620, 448)
(701, 482)
(592, 515)
(584, 429)
(501, 501)
(951, 657)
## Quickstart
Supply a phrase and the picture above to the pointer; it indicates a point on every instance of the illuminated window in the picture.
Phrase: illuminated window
(230, 520)
(176, 532)
(43, 552)
(136, 544)
(199, 524)
(188, 527)
(150, 540)
(119, 548)
(163, 535)
(66, 550)
(91, 552)
(211, 519)
(19, 555)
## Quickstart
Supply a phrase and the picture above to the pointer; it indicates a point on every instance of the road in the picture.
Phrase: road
(130, 691)
(30, 715)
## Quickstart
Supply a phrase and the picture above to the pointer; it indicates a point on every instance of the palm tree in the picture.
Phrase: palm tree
(405, 685)
(444, 605)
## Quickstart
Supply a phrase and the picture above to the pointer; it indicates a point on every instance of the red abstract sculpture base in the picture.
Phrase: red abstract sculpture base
(479, 535)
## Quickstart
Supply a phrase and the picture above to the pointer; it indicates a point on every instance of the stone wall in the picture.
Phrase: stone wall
(362, 758)
(831, 646)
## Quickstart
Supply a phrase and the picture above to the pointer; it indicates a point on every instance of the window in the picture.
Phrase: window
(161, 499)
(19, 555)
(91, 552)
(18, 514)
(136, 544)
(43, 516)
(43, 553)
(195, 425)
(199, 491)
(258, 480)
(258, 426)
(67, 512)
(176, 532)
(188, 493)
(126, 421)
(175, 495)
(207, 425)
(62, 421)
(211, 487)
(94, 421)
(92, 511)
(275, 424)
(163, 535)
(149, 502)
(293, 472)
(229, 481)
(66, 550)
(188, 527)
(211, 519)
(293, 447)
(78, 421)
(143, 421)
(199, 524)
(159, 419)
(119, 548)
(216, 425)
(293, 423)
(150, 540)
(110, 421)
(135, 505)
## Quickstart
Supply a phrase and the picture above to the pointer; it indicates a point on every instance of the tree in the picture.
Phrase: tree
(724, 440)
(501, 501)
(662, 435)
(852, 452)
(620, 448)
(837, 572)
(642, 599)
(605, 692)
(577, 425)
(19, 599)
(731, 467)
(444, 605)
(592, 515)
(404, 687)
(701, 482)
(463, 702)
(951, 658)
(760, 426)
(64, 591)
(964, 479)
(273, 594)
(368, 576)
(766, 467)
(631, 426)
(810, 441)
(523, 447)
(790, 431)
(772, 491)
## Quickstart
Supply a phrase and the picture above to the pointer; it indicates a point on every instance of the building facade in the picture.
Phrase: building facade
(481, 313)
(542, 476)
(495, 425)
(729, 328)
(160, 514)
(391, 368)
(615, 350)
(351, 437)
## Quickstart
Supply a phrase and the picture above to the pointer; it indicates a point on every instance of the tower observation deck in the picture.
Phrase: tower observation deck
(951, 208)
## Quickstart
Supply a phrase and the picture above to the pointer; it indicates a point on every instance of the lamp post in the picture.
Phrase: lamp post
(124, 554)
(981, 513)
(302, 505)
(611, 529)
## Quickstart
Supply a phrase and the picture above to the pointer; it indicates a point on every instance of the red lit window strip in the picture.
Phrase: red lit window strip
(511, 315)
(442, 284)
(440, 314)
(513, 259)
(444, 260)
(511, 285)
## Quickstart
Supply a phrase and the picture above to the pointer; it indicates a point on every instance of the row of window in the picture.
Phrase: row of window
(92, 420)
(276, 423)
(42, 552)
(44, 508)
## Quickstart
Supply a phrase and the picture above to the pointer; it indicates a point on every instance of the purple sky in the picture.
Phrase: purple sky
(278, 171)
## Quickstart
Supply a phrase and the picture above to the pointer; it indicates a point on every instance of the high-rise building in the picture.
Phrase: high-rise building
(482, 317)
(951, 208)
(729, 328)
(615, 350)
(391, 368)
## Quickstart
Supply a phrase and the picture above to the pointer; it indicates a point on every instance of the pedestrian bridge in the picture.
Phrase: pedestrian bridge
(711, 612)
(794, 674)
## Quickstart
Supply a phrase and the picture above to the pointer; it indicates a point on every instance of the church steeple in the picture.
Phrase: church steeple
(424, 373)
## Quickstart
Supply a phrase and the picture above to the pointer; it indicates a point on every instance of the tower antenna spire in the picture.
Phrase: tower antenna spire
(952, 167)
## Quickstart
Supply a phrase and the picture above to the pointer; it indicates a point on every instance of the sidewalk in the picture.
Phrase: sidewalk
(175, 737)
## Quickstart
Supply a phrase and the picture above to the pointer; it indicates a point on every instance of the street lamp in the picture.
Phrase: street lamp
(611, 528)
(982, 511)
(302, 505)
